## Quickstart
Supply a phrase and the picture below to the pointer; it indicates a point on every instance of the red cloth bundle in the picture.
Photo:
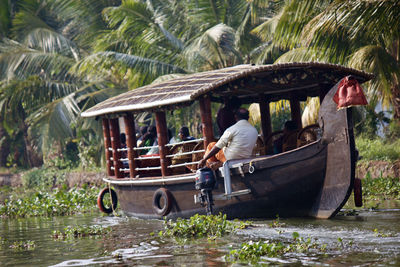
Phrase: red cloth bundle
(349, 93)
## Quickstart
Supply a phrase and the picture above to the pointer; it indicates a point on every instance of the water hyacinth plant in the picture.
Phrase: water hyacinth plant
(71, 232)
(23, 245)
(55, 203)
(198, 226)
(251, 252)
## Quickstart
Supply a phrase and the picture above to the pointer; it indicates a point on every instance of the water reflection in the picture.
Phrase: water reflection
(367, 238)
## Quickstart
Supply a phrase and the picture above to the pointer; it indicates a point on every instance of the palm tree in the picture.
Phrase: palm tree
(360, 34)
(37, 90)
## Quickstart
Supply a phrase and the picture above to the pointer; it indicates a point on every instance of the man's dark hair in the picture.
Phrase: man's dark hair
(152, 130)
(143, 130)
(242, 114)
(184, 131)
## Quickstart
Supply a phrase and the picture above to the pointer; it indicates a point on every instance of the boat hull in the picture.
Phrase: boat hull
(280, 185)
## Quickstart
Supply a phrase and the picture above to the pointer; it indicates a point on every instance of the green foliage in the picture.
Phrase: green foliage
(198, 226)
(378, 149)
(381, 234)
(23, 245)
(55, 203)
(276, 223)
(71, 232)
(366, 121)
(44, 177)
(393, 130)
(251, 252)
(381, 188)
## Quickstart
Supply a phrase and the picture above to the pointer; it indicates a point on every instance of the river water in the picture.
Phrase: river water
(368, 238)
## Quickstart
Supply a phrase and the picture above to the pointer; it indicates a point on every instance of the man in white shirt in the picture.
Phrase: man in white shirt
(237, 142)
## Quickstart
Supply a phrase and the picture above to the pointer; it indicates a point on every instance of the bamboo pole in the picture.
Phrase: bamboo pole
(162, 133)
(107, 145)
(131, 143)
(116, 144)
(206, 120)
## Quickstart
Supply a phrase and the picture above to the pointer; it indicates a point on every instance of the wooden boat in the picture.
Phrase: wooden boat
(314, 179)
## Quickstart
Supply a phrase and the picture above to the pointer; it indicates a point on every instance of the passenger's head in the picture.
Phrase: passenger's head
(152, 130)
(143, 130)
(242, 114)
(290, 126)
(183, 133)
(122, 138)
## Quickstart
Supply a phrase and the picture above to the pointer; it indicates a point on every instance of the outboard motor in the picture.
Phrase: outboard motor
(205, 182)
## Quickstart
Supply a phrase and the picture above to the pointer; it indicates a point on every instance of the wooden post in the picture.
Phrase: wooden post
(295, 112)
(266, 126)
(131, 143)
(116, 144)
(162, 137)
(107, 145)
(206, 120)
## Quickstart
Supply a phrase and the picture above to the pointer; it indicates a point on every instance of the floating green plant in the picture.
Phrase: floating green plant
(381, 234)
(251, 252)
(23, 245)
(71, 232)
(58, 202)
(276, 223)
(197, 226)
(381, 188)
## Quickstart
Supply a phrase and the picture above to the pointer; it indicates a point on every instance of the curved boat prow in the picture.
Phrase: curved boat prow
(340, 163)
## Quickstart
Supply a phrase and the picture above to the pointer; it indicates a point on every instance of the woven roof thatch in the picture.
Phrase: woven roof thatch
(246, 81)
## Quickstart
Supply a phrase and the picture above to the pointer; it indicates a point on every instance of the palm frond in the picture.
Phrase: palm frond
(102, 63)
(5, 18)
(53, 122)
(310, 113)
(134, 19)
(51, 42)
(377, 60)
(17, 60)
(216, 47)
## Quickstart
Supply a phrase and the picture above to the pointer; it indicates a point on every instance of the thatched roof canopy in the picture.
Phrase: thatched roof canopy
(248, 82)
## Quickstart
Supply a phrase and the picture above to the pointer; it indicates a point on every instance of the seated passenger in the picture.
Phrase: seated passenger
(237, 142)
(149, 139)
(226, 114)
(288, 140)
(142, 132)
(184, 134)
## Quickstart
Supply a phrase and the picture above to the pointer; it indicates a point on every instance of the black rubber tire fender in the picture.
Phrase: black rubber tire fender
(165, 194)
(100, 200)
(358, 192)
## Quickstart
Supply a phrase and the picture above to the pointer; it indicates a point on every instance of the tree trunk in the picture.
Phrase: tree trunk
(4, 146)
(396, 102)
(33, 159)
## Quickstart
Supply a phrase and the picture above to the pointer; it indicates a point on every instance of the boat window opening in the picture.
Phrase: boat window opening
(182, 157)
